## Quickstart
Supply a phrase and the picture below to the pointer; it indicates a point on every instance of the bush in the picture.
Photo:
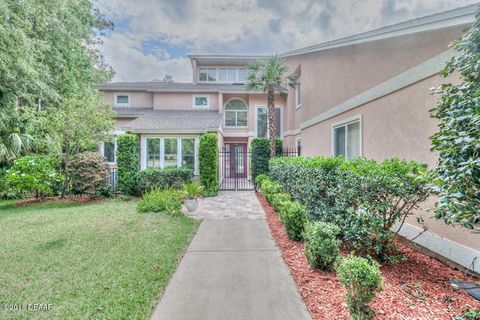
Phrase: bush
(260, 148)
(469, 315)
(34, 174)
(293, 216)
(192, 190)
(279, 199)
(167, 201)
(361, 278)
(88, 173)
(260, 178)
(5, 191)
(157, 178)
(270, 188)
(127, 162)
(208, 157)
(321, 244)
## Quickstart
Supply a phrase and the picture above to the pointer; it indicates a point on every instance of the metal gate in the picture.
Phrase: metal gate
(235, 167)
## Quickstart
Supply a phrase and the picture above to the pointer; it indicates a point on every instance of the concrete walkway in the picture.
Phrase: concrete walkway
(232, 270)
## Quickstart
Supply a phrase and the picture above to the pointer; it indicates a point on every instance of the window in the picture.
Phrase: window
(347, 139)
(122, 99)
(212, 74)
(153, 153)
(299, 147)
(203, 74)
(235, 113)
(170, 152)
(298, 96)
(163, 152)
(109, 151)
(242, 75)
(188, 153)
(201, 102)
(262, 122)
(223, 74)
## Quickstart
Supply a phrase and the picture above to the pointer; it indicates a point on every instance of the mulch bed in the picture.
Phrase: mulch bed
(417, 288)
(80, 200)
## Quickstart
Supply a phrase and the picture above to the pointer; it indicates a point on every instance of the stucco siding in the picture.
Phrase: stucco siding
(138, 99)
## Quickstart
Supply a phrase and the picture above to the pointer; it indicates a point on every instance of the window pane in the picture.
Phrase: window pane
(188, 153)
(203, 75)
(339, 141)
(242, 74)
(230, 118)
(232, 74)
(109, 151)
(222, 74)
(201, 101)
(212, 75)
(353, 140)
(235, 105)
(122, 99)
(241, 118)
(153, 153)
(170, 152)
(262, 122)
(278, 121)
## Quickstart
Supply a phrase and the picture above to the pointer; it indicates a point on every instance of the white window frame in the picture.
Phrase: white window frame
(144, 150)
(217, 68)
(281, 120)
(102, 150)
(195, 106)
(116, 104)
(298, 95)
(345, 123)
(236, 111)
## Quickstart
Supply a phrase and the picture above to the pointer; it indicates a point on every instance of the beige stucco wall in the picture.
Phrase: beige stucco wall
(180, 100)
(138, 98)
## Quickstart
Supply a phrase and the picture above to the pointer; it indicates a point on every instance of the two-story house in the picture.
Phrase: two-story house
(364, 95)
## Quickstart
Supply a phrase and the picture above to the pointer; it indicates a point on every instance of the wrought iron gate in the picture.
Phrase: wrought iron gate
(235, 167)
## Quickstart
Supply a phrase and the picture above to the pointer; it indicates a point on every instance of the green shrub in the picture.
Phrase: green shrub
(127, 162)
(293, 216)
(469, 315)
(193, 190)
(260, 178)
(321, 244)
(361, 279)
(279, 199)
(34, 174)
(260, 151)
(157, 178)
(88, 173)
(208, 157)
(161, 200)
(5, 191)
(270, 188)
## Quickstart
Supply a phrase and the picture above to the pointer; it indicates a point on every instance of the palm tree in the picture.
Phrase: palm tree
(13, 143)
(268, 75)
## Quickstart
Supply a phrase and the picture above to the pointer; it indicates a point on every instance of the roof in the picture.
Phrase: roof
(462, 16)
(159, 86)
(130, 112)
(176, 121)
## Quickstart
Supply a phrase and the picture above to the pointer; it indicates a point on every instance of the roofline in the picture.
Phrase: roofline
(147, 130)
(447, 19)
(194, 90)
(226, 56)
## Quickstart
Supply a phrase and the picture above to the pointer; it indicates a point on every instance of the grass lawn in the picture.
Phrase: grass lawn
(91, 261)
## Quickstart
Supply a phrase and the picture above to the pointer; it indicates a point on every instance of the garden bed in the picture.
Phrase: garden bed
(80, 200)
(417, 288)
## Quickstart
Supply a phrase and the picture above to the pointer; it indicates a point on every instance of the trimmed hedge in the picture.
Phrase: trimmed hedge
(260, 150)
(321, 244)
(127, 162)
(157, 178)
(208, 157)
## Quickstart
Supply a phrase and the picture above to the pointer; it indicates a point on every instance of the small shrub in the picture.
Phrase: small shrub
(88, 172)
(192, 190)
(260, 178)
(34, 174)
(127, 162)
(167, 201)
(469, 315)
(260, 148)
(157, 178)
(361, 279)
(321, 244)
(208, 158)
(5, 191)
(270, 188)
(279, 199)
(293, 216)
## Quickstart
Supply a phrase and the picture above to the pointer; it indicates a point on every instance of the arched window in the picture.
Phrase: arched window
(235, 113)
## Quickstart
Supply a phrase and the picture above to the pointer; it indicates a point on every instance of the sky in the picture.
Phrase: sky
(153, 37)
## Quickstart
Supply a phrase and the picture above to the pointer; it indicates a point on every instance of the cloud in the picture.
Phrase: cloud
(153, 37)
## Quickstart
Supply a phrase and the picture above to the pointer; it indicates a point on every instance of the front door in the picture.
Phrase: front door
(237, 160)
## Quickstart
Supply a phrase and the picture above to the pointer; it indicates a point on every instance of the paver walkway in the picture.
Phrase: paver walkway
(232, 269)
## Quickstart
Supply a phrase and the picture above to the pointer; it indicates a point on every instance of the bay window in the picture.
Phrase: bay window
(167, 152)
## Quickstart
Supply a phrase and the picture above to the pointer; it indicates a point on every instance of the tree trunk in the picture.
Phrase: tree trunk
(271, 119)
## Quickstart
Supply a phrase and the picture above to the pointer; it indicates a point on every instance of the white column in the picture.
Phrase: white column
(143, 152)
(197, 164)
(162, 152)
(179, 152)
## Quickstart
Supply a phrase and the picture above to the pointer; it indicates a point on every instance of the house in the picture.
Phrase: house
(364, 95)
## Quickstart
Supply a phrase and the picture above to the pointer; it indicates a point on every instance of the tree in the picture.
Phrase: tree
(167, 78)
(457, 176)
(13, 143)
(268, 75)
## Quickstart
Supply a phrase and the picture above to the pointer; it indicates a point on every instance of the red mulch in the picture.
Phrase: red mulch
(31, 202)
(426, 279)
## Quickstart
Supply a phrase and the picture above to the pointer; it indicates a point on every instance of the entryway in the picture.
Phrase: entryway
(234, 167)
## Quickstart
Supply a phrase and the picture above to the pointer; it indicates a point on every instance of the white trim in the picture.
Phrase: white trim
(115, 147)
(194, 96)
(422, 71)
(298, 93)
(225, 114)
(449, 249)
(115, 104)
(345, 123)
(217, 68)
(292, 132)
(281, 120)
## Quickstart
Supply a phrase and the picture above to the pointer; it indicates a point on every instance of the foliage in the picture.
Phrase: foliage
(260, 150)
(88, 172)
(268, 75)
(469, 315)
(279, 199)
(127, 162)
(13, 143)
(321, 244)
(259, 179)
(37, 174)
(167, 201)
(361, 279)
(293, 216)
(270, 188)
(208, 158)
(363, 197)
(192, 190)
(157, 178)
(457, 175)
(5, 191)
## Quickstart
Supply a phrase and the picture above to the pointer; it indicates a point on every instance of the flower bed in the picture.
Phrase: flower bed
(416, 288)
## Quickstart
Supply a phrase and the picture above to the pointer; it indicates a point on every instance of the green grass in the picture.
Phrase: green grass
(96, 261)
